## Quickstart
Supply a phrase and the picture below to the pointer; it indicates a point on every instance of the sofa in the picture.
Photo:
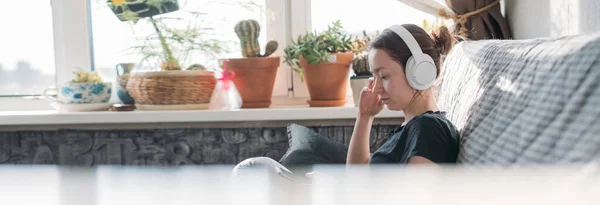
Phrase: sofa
(516, 102)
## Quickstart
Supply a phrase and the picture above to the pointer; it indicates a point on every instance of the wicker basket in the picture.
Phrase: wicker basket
(171, 87)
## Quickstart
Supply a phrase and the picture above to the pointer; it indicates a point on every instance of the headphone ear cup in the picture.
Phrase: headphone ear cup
(410, 64)
(410, 72)
(420, 75)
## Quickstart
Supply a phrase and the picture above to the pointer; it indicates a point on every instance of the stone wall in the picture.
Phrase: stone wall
(159, 147)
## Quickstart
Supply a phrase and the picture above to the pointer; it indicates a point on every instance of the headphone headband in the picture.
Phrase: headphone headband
(410, 41)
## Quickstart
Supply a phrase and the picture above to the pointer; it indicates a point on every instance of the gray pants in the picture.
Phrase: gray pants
(284, 185)
(268, 164)
(274, 169)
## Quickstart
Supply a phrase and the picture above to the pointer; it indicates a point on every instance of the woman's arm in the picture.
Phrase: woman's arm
(359, 148)
(369, 106)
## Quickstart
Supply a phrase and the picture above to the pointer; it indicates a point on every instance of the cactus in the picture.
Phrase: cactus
(270, 48)
(248, 32)
(360, 65)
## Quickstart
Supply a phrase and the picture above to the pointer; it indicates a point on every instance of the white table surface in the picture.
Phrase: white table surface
(337, 185)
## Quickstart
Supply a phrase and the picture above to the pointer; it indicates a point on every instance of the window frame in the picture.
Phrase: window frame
(300, 23)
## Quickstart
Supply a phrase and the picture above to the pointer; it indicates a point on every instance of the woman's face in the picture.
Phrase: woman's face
(390, 80)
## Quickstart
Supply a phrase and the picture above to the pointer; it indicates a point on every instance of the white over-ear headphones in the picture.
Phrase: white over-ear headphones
(420, 68)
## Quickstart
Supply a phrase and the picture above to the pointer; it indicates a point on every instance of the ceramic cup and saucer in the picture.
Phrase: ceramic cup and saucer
(80, 97)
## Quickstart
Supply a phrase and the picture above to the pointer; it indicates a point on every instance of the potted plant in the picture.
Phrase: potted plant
(360, 65)
(255, 73)
(87, 91)
(168, 86)
(324, 60)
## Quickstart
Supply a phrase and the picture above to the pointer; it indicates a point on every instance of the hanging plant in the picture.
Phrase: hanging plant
(169, 44)
(128, 10)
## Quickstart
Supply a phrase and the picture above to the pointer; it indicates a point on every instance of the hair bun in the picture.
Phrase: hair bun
(444, 41)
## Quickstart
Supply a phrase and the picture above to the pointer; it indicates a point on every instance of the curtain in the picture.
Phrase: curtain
(474, 19)
(488, 23)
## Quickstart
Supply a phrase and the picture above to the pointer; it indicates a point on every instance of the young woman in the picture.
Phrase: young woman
(426, 136)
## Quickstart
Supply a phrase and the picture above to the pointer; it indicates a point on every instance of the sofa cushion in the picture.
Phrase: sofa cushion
(525, 101)
(307, 147)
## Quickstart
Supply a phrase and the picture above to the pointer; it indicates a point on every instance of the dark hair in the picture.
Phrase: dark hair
(437, 44)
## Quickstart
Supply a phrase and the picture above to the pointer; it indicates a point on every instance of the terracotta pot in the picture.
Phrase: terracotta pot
(327, 82)
(254, 79)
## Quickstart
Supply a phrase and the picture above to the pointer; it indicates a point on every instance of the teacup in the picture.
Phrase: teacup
(80, 93)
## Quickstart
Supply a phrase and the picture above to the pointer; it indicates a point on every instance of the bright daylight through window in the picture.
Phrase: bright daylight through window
(118, 41)
(27, 52)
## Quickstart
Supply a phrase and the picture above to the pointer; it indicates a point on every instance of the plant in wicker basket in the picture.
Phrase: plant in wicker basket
(171, 87)
(256, 72)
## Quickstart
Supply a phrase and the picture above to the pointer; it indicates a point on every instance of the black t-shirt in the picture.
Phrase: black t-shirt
(430, 135)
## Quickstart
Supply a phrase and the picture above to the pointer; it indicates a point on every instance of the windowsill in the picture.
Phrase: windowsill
(278, 112)
(51, 117)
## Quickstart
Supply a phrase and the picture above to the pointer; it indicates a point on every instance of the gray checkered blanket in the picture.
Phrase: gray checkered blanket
(531, 101)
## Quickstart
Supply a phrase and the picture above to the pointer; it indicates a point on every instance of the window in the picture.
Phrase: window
(66, 37)
(356, 16)
(27, 54)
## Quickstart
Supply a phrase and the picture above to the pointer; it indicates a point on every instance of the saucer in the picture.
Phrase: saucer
(326, 103)
(172, 107)
(80, 107)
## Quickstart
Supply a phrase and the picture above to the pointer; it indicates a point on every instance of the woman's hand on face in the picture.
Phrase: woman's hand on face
(369, 103)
